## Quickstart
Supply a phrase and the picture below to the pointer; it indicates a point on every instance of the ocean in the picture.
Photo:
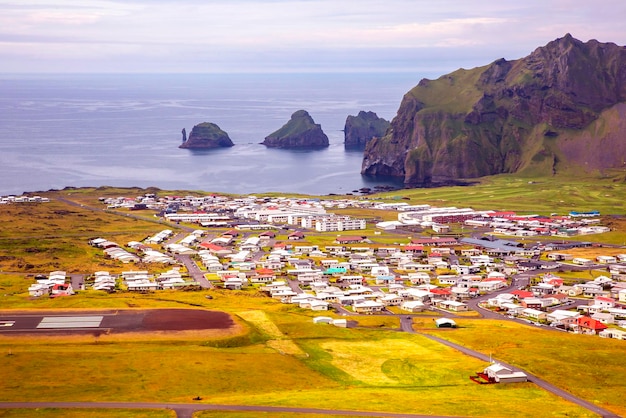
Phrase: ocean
(124, 130)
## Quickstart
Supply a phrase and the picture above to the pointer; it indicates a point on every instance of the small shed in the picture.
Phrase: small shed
(322, 320)
(445, 323)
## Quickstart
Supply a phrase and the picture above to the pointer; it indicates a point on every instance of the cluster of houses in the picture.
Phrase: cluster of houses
(141, 281)
(144, 253)
(5, 200)
(215, 211)
(546, 302)
(55, 284)
(499, 222)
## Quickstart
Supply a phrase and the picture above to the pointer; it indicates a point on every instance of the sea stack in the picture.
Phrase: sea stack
(300, 132)
(361, 129)
(206, 135)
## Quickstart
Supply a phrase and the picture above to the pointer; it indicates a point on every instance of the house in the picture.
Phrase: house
(422, 277)
(501, 374)
(613, 333)
(367, 306)
(588, 325)
(391, 300)
(562, 317)
(605, 318)
(542, 289)
(606, 259)
(414, 249)
(267, 235)
(435, 242)
(38, 289)
(351, 239)
(233, 283)
(452, 305)
(295, 236)
(441, 293)
(412, 306)
(582, 261)
(61, 289)
(604, 302)
(314, 304)
(492, 284)
(534, 314)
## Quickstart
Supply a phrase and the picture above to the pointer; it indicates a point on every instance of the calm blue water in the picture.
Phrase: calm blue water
(124, 130)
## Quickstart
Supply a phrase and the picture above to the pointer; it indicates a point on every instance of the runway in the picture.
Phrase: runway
(112, 321)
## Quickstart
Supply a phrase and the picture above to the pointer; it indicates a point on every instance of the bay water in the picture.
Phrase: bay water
(124, 130)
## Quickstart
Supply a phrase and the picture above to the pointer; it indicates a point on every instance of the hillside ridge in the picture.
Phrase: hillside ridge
(559, 109)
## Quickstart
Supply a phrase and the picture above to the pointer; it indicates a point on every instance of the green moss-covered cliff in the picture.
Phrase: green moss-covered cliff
(299, 132)
(206, 135)
(560, 108)
(361, 129)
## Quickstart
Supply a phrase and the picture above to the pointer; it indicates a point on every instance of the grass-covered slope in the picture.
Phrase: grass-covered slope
(557, 110)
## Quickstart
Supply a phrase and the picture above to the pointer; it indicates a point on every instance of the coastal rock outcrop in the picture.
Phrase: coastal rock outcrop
(360, 129)
(561, 109)
(300, 132)
(206, 135)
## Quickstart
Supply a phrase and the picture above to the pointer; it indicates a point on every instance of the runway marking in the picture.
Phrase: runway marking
(71, 322)
(7, 323)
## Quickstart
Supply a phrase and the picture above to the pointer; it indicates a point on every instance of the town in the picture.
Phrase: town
(455, 260)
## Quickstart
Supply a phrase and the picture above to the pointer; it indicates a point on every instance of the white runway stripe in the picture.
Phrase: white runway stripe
(70, 322)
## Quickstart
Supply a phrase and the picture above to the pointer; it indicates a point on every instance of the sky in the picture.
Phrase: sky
(256, 36)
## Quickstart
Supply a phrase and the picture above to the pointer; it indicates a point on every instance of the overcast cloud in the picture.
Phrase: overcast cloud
(199, 36)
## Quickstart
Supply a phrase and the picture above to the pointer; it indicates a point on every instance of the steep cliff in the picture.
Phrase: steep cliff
(361, 129)
(300, 132)
(552, 111)
(206, 135)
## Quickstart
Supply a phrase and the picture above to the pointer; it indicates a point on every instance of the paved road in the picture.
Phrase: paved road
(194, 270)
(405, 323)
(187, 410)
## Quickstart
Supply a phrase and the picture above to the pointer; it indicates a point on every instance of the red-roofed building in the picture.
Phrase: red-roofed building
(61, 289)
(522, 294)
(555, 282)
(415, 249)
(282, 246)
(298, 235)
(588, 325)
(233, 233)
(264, 271)
(441, 293)
(211, 247)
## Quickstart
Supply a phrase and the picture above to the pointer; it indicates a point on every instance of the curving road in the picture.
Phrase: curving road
(187, 410)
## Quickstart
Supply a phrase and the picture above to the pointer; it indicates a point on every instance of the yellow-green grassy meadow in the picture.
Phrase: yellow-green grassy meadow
(587, 366)
(354, 369)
